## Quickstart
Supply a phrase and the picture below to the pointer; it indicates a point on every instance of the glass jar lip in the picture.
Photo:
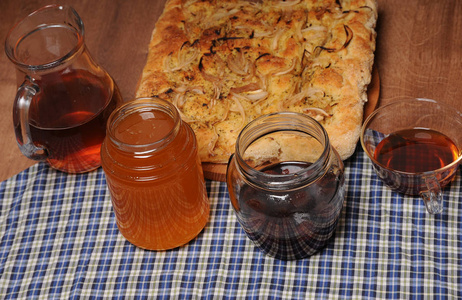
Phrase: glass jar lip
(79, 29)
(292, 119)
(135, 106)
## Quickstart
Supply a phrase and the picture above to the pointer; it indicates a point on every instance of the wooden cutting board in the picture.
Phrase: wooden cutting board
(217, 172)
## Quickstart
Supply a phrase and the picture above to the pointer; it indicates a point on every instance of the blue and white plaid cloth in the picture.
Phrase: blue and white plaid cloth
(59, 239)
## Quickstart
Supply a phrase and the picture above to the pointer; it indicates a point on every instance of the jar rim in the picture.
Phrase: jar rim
(135, 106)
(282, 122)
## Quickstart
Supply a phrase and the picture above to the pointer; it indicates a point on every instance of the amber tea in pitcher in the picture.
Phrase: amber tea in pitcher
(64, 98)
(73, 131)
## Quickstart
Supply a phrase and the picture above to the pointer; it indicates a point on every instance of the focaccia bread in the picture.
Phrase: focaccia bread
(223, 63)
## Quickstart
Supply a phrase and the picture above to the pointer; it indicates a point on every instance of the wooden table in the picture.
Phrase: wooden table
(419, 52)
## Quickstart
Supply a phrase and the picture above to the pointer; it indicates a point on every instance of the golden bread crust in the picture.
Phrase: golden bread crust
(224, 63)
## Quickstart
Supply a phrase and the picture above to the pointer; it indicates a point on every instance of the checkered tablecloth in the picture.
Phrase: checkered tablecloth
(59, 239)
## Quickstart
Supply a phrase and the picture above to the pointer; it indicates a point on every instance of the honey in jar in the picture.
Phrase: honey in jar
(154, 175)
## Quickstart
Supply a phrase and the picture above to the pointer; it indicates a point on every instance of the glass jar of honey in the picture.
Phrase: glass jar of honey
(154, 175)
(286, 185)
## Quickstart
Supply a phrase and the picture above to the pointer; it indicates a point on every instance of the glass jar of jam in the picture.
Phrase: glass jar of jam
(286, 185)
(154, 175)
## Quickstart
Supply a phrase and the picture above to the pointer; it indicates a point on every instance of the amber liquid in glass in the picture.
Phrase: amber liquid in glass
(69, 116)
(416, 150)
(163, 205)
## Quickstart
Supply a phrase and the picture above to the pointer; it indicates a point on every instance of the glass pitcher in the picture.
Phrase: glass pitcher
(64, 98)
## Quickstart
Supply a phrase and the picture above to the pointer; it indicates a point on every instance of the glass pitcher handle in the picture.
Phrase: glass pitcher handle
(26, 92)
(433, 198)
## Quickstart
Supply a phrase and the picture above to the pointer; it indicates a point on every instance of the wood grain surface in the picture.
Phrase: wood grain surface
(419, 52)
